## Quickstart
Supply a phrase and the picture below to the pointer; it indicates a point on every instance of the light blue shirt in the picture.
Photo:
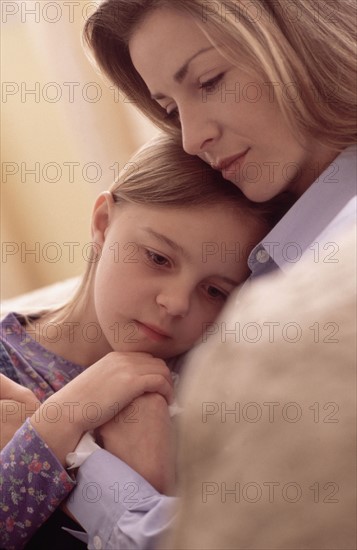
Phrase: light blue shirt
(117, 507)
(311, 227)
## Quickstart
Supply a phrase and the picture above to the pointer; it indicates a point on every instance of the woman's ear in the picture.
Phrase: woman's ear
(101, 216)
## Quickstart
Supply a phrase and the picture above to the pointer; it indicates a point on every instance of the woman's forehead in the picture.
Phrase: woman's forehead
(172, 36)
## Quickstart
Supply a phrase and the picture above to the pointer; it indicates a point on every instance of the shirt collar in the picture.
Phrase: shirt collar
(308, 217)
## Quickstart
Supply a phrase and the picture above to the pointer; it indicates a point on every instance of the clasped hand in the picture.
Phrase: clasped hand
(132, 391)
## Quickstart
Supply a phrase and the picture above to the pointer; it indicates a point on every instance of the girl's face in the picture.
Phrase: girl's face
(228, 118)
(164, 274)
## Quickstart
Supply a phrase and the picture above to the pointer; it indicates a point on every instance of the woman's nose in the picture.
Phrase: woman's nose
(199, 131)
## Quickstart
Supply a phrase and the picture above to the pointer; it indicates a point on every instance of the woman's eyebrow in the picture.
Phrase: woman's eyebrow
(182, 72)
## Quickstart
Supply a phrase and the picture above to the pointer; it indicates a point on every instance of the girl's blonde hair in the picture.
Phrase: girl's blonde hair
(162, 175)
(303, 49)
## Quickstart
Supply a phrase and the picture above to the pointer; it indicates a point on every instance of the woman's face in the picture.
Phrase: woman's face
(228, 118)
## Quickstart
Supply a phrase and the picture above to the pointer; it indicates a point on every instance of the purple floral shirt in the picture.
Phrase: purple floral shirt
(33, 482)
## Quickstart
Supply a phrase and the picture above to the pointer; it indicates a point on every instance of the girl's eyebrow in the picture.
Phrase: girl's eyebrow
(228, 280)
(182, 72)
(172, 244)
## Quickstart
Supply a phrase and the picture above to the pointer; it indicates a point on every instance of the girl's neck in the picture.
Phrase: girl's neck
(77, 337)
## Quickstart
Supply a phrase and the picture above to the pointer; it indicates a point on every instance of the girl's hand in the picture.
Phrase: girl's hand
(97, 395)
(16, 404)
(142, 435)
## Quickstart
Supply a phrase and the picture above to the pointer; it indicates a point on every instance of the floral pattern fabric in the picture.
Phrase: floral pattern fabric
(33, 482)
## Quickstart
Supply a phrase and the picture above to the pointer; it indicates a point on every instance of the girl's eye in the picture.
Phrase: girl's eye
(156, 259)
(210, 85)
(216, 293)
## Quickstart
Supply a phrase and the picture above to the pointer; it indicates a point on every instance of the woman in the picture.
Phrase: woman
(263, 91)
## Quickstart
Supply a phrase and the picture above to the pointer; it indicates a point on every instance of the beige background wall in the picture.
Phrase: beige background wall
(64, 135)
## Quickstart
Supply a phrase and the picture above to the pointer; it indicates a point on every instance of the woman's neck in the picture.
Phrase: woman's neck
(320, 158)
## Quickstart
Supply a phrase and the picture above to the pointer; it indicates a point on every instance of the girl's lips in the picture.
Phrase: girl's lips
(152, 332)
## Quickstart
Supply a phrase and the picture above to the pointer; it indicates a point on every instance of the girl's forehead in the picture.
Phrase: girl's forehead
(220, 218)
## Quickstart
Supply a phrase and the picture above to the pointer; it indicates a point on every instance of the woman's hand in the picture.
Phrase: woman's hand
(98, 394)
(142, 436)
(16, 404)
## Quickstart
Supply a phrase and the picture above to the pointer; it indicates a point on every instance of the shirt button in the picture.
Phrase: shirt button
(97, 542)
(262, 256)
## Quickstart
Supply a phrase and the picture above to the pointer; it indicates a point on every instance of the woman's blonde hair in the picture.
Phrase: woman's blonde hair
(162, 175)
(305, 49)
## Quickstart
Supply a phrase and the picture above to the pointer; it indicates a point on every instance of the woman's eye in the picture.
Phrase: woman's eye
(210, 85)
(156, 259)
(173, 115)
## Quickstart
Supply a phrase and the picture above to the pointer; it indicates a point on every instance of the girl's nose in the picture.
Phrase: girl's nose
(176, 301)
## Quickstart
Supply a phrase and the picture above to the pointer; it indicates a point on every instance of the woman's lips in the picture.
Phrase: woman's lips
(232, 164)
(152, 332)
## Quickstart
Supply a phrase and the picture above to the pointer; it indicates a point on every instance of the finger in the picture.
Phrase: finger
(159, 384)
(156, 373)
(131, 354)
(158, 367)
(148, 366)
(9, 389)
(13, 391)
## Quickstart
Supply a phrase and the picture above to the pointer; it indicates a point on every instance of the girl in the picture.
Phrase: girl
(160, 271)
